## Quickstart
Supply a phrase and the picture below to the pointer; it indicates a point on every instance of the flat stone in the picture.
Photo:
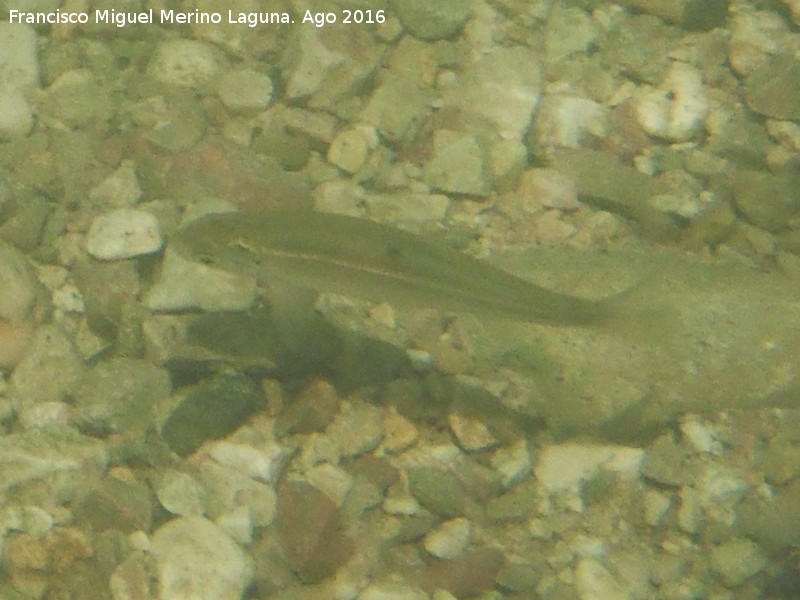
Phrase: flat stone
(124, 233)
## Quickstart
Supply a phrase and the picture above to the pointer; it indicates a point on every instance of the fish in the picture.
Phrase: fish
(365, 259)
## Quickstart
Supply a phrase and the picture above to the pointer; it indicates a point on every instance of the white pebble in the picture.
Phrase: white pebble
(677, 109)
(449, 539)
(123, 233)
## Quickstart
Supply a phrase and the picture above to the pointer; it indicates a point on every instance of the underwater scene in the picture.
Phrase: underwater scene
(399, 300)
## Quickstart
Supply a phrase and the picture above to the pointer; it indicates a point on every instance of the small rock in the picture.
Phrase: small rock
(562, 469)
(182, 285)
(118, 395)
(407, 208)
(458, 164)
(397, 108)
(18, 61)
(594, 582)
(310, 532)
(449, 539)
(358, 428)
(350, 148)
(120, 189)
(544, 187)
(124, 233)
(48, 372)
(331, 480)
(503, 86)
(766, 200)
(16, 116)
(180, 494)
(471, 433)
(513, 462)
(196, 559)
(737, 560)
(677, 109)
(773, 90)
(245, 90)
(50, 465)
(185, 63)
(568, 121)
(209, 411)
(438, 491)
(391, 591)
(262, 463)
(432, 21)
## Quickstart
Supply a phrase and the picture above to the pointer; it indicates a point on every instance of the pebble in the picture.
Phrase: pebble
(397, 108)
(196, 559)
(19, 62)
(512, 78)
(513, 462)
(118, 395)
(350, 148)
(124, 233)
(549, 188)
(185, 63)
(245, 90)
(183, 285)
(262, 463)
(562, 469)
(449, 539)
(48, 372)
(677, 108)
(594, 582)
(407, 208)
(457, 164)
(120, 189)
(433, 21)
(471, 433)
(737, 560)
(180, 493)
(391, 591)
(19, 297)
(773, 90)
(58, 461)
(16, 116)
(569, 121)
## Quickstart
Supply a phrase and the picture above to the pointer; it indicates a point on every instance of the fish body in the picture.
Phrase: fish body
(364, 259)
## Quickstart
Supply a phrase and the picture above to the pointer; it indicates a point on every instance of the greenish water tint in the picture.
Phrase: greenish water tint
(364, 259)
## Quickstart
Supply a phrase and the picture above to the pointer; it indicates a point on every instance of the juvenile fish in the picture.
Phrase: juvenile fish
(364, 259)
